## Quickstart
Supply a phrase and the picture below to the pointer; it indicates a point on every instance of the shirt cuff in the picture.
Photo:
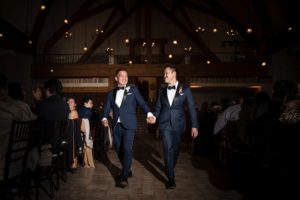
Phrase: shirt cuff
(103, 119)
(150, 114)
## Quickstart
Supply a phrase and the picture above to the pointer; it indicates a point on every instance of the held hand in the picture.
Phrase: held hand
(105, 123)
(194, 133)
(151, 120)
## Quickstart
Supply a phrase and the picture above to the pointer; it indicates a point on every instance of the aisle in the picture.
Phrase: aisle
(197, 178)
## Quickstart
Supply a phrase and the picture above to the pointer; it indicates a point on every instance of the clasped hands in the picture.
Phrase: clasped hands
(151, 120)
(105, 123)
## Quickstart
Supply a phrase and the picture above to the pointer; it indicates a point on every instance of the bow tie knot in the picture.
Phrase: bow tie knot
(171, 87)
(120, 88)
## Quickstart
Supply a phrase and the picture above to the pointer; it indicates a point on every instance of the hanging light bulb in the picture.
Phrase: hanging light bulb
(175, 42)
(43, 7)
(170, 56)
(215, 30)
(85, 48)
(1, 35)
(249, 30)
(126, 40)
(208, 62)
(66, 21)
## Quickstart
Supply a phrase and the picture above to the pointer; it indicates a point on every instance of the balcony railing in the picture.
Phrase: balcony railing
(142, 59)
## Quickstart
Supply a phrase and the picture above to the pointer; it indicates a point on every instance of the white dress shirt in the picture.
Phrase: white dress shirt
(171, 93)
(119, 97)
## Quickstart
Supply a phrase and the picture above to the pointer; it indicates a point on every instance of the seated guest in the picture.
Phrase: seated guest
(10, 109)
(52, 109)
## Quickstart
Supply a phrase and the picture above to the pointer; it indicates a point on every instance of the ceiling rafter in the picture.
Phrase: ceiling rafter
(101, 38)
(105, 27)
(201, 8)
(191, 34)
(14, 39)
(283, 39)
(231, 21)
(193, 28)
(39, 22)
(261, 11)
(82, 13)
(121, 4)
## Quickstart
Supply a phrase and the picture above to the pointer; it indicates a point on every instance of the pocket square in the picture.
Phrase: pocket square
(129, 93)
(181, 94)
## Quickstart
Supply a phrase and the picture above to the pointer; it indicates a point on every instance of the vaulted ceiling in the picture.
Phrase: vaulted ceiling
(275, 23)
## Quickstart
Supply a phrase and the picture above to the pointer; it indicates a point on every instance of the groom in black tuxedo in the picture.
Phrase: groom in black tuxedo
(169, 111)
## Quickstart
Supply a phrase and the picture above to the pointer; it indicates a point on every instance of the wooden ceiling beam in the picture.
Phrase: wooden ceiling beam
(39, 22)
(14, 39)
(261, 12)
(82, 13)
(193, 27)
(233, 23)
(191, 34)
(201, 8)
(101, 38)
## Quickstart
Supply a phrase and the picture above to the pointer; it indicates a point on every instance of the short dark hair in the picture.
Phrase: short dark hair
(54, 86)
(121, 69)
(86, 99)
(172, 67)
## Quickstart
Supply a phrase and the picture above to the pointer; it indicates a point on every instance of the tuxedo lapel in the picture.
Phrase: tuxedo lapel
(124, 96)
(178, 91)
(114, 95)
(165, 95)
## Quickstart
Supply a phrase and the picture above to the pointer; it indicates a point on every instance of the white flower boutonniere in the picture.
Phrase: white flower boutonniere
(127, 88)
(180, 90)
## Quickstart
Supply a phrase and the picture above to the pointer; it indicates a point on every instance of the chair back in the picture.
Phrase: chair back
(16, 156)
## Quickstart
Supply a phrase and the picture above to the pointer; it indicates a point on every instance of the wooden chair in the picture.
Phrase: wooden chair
(52, 136)
(15, 177)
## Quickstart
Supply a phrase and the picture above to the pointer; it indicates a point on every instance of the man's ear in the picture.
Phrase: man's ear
(116, 79)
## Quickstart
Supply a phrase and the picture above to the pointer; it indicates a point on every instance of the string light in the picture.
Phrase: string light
(43, 7)
(66, 21)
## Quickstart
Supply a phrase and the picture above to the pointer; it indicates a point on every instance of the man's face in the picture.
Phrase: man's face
(169, 75)
(122, 78)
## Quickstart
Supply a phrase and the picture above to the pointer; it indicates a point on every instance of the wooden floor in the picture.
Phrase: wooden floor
(196, 177)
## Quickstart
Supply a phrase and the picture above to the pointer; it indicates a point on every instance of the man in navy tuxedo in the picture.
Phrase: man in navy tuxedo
(170, 113)
(122, 101)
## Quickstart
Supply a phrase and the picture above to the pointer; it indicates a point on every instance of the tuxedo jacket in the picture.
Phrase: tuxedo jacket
(127, 110)
(174, 115)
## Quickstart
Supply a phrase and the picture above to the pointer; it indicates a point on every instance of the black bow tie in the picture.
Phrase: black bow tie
(120, 88)
(171, 87)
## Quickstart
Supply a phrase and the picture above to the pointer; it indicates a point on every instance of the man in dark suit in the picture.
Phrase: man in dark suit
(122, 101)
(170, 113)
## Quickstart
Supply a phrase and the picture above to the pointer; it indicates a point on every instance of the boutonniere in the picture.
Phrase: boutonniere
(180, 90)
(127, 88)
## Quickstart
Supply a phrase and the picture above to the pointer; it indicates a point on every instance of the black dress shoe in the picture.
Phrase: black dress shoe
(122, 183)
(171, 184)
(120, 175)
